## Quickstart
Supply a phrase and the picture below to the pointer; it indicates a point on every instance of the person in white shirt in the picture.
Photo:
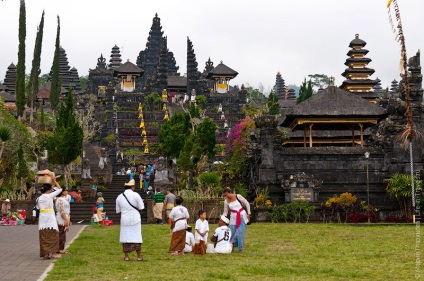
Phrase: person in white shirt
(129, 204)
(189, 240)
(63, 216)
(221, 238)
(201, 237)
(178, 216)
(47, 223)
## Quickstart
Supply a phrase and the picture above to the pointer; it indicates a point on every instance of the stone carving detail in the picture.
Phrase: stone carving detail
(301, 187)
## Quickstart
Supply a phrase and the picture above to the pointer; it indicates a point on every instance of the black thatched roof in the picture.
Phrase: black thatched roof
(222, 70)
(128, 68)
(353, 60)
(334, 103)
(177, 82)
(360, 51)
(370, 71)
(357, 42)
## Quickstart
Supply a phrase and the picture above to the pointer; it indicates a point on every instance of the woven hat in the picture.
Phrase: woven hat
(99, 194)
(130, 183)
(225, 219)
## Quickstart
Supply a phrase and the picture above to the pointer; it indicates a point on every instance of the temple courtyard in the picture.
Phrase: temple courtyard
(272, 252)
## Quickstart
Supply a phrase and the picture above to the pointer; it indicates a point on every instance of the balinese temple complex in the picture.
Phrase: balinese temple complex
(357, 74)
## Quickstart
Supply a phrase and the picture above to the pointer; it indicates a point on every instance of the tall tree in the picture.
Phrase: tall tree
(66, 143)
(173, 134)
(319, 80)
(305, 91)
(273, 104)
(20, 69)
(56, 82)
(35, 71)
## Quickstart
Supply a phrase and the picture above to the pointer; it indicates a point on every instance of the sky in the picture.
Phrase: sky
(255, 38)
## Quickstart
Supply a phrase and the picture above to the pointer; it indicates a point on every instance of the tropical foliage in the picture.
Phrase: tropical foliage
(399, 188)
(237, 149)
(272, 104)
(66, 143)
(305, 91)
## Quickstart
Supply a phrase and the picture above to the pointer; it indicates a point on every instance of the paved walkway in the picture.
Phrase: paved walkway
(20, 252)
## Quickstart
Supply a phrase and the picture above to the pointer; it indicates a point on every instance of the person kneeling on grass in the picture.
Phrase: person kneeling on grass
(221, 238)
(189, 240)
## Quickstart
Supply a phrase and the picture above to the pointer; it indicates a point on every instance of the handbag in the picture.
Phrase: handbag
(36, 211)
(248, 223)
(131, 204)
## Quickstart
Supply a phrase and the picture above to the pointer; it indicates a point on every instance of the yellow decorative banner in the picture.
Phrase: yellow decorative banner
(389, 3)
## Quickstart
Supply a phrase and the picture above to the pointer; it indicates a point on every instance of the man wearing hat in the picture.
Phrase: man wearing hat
(5, 207)
(221, 238)
(129, 204)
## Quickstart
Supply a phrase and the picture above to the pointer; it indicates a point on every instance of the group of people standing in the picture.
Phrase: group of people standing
(230, 233)
(52, 226)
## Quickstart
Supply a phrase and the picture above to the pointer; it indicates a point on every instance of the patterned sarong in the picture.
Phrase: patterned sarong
(129, 247)
(62, 237)
(49, 241)
(178, 241)
(200, 249)
(238, 234)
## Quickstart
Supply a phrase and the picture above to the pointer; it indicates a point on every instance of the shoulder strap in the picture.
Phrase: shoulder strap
(130, 203)
(241, 204)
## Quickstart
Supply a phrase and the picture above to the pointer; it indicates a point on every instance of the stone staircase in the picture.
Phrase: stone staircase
(82, 211)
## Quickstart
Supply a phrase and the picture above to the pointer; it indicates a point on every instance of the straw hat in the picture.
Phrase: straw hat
(130, 183)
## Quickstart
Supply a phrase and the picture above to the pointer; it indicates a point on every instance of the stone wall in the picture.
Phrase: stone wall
(340, 169)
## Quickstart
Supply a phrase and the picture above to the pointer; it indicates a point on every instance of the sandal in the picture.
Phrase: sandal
(63, 252)
(126, 259)
(140, 259)
(55, 256)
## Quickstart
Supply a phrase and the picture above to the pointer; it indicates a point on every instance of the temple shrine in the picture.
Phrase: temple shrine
(357, 74)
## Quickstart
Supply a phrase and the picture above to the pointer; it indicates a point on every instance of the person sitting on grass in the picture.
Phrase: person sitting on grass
(221, 238)
(189, 240)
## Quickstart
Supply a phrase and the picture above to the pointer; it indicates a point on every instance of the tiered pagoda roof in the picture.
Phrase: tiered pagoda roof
(394, 87)
(377, 88)
(115, 58)
(280, 87)
(75, 79)
(64, 71)
(357, 73)
(291, 95)
(10, 78)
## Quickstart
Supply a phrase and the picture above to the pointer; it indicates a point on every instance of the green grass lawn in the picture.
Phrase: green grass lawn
(272, 252)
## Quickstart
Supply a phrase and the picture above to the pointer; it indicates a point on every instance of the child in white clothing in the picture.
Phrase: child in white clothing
(201, 236)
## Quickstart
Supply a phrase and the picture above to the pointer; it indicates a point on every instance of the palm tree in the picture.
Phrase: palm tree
(5, 135)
